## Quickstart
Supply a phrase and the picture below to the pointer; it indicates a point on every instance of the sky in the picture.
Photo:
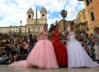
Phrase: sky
(14, 11)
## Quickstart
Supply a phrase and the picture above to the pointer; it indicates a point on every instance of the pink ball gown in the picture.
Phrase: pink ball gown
(42, 55)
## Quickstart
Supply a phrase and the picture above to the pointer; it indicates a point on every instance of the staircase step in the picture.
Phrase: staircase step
(22, 57)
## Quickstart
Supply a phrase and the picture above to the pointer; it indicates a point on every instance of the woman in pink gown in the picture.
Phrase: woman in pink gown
(42, 55)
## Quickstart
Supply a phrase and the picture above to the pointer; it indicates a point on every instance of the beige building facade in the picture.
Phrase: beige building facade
(81, 17)
(81, 20)
(63, 25)
(32, 26)
(92, 8)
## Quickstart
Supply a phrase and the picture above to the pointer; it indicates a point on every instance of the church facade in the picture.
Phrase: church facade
(32, 26)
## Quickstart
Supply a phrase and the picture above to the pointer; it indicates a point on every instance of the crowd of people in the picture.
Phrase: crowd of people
(13, 47)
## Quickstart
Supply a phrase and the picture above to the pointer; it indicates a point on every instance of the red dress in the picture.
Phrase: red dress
(60, 50)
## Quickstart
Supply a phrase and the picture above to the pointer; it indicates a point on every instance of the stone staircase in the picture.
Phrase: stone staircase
(21, 57)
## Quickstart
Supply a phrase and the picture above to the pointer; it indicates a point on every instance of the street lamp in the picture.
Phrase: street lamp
(10, 29)
(20, 23)
(20, 26)
(64, 14)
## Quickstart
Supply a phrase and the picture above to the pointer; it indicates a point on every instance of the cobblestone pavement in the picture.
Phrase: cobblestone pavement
(5, 68)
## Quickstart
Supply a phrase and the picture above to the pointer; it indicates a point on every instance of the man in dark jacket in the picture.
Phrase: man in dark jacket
(31, 43)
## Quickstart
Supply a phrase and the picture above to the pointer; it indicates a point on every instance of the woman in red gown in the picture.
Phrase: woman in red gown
(60, 49)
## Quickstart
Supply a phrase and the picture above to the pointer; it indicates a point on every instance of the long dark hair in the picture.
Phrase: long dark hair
(71, 25)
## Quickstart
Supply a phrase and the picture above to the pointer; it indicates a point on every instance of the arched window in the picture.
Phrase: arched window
(88, 2)
(92, 16)
(43, 15)
(28, 29)
(29, 16)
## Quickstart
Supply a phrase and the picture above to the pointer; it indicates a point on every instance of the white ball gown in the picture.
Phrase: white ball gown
(77, 56)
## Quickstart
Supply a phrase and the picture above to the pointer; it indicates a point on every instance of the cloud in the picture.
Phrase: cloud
(12, 11)
(51, 21)
(52, 6)
(73, 7)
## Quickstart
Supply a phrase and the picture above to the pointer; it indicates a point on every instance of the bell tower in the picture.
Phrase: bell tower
(43, 13)
(30, 15)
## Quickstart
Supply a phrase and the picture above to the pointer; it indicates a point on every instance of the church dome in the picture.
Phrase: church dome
(30, 11)
(43, 10)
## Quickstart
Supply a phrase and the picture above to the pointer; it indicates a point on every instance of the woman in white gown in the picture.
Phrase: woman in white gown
(77, 56)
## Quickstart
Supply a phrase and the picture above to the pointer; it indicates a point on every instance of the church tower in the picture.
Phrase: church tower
(30, 15)
(43, 13)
